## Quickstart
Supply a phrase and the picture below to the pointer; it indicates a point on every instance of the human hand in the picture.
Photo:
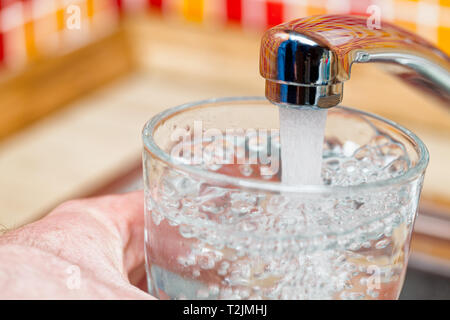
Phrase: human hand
(84, 249)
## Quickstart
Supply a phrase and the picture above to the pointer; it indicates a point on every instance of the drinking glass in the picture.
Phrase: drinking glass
(221, 225)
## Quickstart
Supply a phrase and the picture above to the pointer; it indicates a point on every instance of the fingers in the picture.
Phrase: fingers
(126, 213)
(170, 251)
(103, 235)
(30, 273)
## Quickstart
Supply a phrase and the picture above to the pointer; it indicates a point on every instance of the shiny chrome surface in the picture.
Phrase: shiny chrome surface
(306, 61)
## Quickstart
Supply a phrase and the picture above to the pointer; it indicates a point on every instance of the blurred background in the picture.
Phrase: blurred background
(79, 78)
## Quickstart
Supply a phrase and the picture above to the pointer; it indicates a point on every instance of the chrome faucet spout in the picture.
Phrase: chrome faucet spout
(306, 61)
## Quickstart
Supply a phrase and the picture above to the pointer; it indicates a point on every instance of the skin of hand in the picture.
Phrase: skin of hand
(84, 249)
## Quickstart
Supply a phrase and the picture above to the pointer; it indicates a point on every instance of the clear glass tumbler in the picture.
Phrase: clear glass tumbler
(221, 225)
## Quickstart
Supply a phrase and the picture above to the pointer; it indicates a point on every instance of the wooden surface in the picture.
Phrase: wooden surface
(48, 84)
(79, 149)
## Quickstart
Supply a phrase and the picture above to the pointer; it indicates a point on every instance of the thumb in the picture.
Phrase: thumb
(104, 235)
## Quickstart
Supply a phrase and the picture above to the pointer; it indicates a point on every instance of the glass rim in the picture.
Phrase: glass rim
(248, 183)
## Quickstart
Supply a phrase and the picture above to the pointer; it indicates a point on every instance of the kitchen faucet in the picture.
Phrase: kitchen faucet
(306, 61)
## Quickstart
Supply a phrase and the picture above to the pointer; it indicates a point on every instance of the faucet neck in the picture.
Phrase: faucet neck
(306, 61)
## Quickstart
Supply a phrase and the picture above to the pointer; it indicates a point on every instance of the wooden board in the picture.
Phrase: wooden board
(49, 84)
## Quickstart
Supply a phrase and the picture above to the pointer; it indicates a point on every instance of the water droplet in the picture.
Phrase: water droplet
(205, 262)
(355, 296)
(382, 244)
(202, 293)
(214, 289)
(372, 293)
(213, 207)
(156, 217)
(267, 172)
(246, 170)
(223, 268)
(187, 231)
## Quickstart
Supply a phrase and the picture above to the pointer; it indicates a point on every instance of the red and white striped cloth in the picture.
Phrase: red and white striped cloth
(30, 29)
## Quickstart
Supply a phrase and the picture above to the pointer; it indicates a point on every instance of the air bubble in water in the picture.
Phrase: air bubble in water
(236, 225)
(223, 268)
(156, 217)
(187, 231)
(246, 170)
(382, 244)
(202, 293)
